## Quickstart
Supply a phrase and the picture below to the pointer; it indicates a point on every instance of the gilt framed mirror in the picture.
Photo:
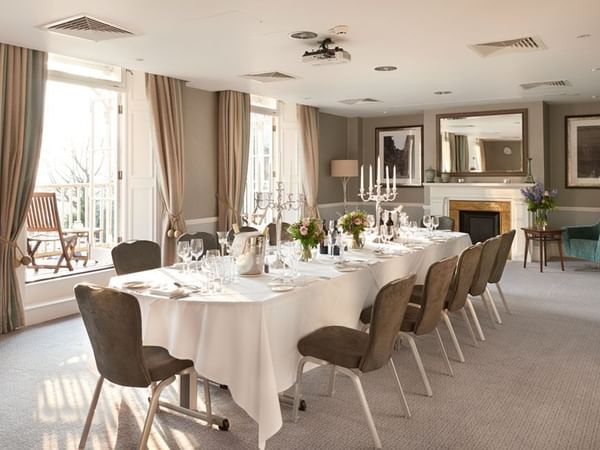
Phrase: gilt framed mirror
(486, 143)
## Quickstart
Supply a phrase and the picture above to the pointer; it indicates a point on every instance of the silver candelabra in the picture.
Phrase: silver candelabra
(377, 193)
(278, 202)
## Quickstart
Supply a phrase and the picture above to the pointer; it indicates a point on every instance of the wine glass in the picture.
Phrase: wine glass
(371, 221)
(183, 251)
(196, 248)
(222, 237)
(412, 226)
(435, 222)
(427, 221)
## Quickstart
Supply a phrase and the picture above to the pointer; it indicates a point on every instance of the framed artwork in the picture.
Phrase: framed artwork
(402, 148)
(583, 151)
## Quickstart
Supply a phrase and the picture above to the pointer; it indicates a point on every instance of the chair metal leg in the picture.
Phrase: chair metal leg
(488, 294)
(91, 411)
(459, 352)
(152, 411)
(415, 351)
(471, 310)
(363, 401)
(207, 401)
(402, 396)
(465, 317)
(444, 354)
(489, 310)
(297, 387)
(332, 381)
(504, 302)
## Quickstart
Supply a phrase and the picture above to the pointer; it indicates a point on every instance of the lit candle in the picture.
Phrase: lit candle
(378, 169)
(370, 177)
(387, 177)
(362, 181)
(394, 183)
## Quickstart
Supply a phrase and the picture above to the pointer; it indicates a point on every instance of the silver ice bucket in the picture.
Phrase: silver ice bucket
(251, 261)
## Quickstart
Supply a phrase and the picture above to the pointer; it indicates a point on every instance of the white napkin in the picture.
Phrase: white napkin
(167, 291)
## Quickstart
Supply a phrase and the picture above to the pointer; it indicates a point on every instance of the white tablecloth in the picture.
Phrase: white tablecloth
(246, 336)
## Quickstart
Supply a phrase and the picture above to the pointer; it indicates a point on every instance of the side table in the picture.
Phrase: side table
(543, 236)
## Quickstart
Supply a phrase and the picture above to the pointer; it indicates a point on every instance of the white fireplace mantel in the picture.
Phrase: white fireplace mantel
(440, 194)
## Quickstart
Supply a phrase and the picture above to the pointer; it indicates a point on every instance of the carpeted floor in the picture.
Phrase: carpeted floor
(534, 384)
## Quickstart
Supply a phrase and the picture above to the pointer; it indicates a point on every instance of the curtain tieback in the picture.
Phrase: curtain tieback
(24, 259)
(175, 230)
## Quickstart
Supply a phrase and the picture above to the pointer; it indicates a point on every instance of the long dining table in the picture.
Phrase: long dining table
(245, 337)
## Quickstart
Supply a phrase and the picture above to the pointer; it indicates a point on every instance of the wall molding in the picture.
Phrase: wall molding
(578, 208)
(202, 220)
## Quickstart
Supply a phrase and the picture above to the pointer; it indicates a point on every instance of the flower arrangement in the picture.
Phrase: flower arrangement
(309, 232)
(354, 223)
(539, 201)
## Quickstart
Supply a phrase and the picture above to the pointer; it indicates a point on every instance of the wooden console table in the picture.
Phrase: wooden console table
(543, 236)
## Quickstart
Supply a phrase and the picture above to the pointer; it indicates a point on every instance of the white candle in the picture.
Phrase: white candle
(394, 183)
(387, 177)
(370, 177)
(362, 181)
(378, 169)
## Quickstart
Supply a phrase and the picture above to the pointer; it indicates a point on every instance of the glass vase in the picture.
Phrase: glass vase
(307, 254)
(541, 218)
(358, 240)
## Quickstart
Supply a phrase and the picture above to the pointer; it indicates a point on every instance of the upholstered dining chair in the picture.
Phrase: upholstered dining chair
(423, 319)
(445, 223)
(285, 235)
(489, 251)
(209, 241)
(135, 256)
(460, 285)
(506, 240)
(113, 323)
(353, 352)
(582, 242)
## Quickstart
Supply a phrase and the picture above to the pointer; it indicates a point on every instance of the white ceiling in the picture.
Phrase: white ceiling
(211, 43)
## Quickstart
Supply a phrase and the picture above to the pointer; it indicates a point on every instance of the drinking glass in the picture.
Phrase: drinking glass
(183, 250)
(371, 221)
(427, 221)
(222, 237)
(196, 248)
(213, 252)
(412, 226)
(435, 222)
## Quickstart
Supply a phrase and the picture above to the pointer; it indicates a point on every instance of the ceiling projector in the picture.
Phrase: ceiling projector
(325, 55)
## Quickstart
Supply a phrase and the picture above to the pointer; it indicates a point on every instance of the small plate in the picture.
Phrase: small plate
(282, 288)
(135, 285)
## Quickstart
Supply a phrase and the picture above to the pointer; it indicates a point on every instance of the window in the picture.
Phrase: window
(79, 163)
(273, 156)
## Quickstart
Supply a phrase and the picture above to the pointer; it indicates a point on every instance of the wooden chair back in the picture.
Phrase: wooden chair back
(42, 215)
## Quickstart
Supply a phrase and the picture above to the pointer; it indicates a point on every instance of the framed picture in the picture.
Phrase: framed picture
(583, 151)
(401, 148)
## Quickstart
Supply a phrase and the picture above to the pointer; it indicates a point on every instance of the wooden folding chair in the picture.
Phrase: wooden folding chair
(43, 226)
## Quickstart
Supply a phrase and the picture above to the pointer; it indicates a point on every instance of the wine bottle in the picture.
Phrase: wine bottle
(323, 245)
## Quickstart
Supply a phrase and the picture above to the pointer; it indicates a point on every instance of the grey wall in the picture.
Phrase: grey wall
(200, 109)
(369, 125)
(557, 152)
(496, 159)
(333, 144)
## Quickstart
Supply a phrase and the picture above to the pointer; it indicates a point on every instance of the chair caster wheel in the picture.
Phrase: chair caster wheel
(224, 426)
(302, 406)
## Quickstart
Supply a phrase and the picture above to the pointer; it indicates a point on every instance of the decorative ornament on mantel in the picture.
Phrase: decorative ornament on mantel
(529, 177)
(429, 174)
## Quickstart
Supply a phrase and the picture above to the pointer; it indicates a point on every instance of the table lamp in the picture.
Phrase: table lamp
(344, 169)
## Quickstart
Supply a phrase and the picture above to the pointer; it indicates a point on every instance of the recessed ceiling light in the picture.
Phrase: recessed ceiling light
(385, 112)
(139, 59)
(583, 36)
(596, 69)
(595, 96)
(303, 35)
(443, 92)
(385, 68)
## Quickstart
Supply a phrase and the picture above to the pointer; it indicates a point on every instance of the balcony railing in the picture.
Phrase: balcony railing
(86, 206)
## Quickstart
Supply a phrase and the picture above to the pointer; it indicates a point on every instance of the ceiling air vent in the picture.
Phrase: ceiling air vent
(519, 45)
(87, 27)
(269, 77)
(359, 101)
(545, 84)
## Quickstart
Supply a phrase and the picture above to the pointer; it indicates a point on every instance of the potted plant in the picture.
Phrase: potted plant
(355, 223)
(309, 232)
(539, 201)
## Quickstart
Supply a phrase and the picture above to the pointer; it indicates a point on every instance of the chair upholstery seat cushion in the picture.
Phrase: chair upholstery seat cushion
(411, 317)
(583, 248)
(161, 365)
(340, 346)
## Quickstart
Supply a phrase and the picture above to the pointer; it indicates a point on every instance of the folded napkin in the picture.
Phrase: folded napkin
(168, 291)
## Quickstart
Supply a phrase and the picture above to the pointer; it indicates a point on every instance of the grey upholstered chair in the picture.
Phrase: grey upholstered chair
(243, 229)
(423, 319)
(506, 240)
(135, 256)
(209, 241)
(285, 235)
(446, 223)
(352, 352)
(489, 251)
(113, 323)
(455, 301)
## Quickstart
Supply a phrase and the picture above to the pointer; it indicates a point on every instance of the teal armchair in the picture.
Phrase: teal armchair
(582, 242)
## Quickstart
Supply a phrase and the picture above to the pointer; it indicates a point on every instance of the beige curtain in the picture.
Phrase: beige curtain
(234, 148)
(165, 98)
(23, 76)
(308, 121)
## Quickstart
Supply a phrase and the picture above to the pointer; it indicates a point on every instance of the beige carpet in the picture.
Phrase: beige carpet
(534, 384)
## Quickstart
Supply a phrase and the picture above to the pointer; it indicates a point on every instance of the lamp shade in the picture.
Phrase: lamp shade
(344, 168)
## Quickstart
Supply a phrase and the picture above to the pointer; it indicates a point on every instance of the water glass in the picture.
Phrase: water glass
(196, 248)
(183, 251)
(435, 222)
